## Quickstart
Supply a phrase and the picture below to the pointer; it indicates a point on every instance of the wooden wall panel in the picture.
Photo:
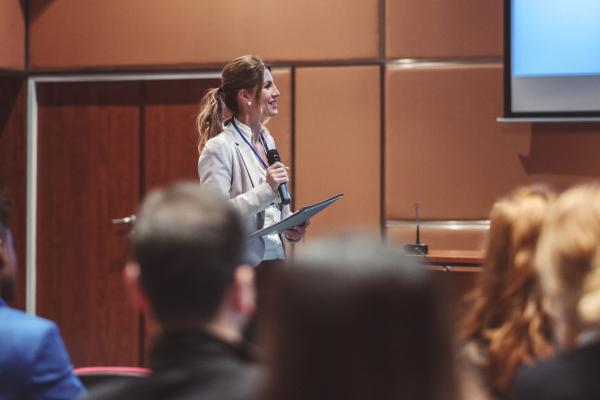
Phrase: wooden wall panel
(12, 35)
(439, 238)
(71, 34)
(13, 157)
(338, 145)
(88, 174)
(445, 149)
(437, 29)
(563, 154)
(281, 126)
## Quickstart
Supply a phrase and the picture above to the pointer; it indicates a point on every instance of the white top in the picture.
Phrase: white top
(228, 165)
(273, 245)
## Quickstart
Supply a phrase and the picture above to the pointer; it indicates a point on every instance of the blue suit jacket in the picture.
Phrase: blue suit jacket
(33, 360)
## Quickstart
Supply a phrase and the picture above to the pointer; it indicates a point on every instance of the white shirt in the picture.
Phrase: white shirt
(273, 246)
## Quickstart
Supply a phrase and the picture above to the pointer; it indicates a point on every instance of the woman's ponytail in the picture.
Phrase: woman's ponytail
(210, 119)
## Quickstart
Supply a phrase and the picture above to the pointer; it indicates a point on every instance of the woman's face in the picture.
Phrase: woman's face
(269, 95)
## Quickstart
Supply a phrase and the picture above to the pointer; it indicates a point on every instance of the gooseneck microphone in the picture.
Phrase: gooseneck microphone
(417, 247)
(284, 193)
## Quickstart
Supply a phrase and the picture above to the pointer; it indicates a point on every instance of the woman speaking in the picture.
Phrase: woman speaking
(233, 146)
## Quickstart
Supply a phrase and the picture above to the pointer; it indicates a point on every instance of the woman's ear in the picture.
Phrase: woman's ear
(245, 97)
(131, 275)
(244, 292)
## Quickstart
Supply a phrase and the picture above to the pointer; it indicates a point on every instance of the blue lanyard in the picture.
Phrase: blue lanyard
(263, 142)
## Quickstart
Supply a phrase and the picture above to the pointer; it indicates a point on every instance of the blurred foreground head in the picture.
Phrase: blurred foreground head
(507, 324)
(188, 244)
(568, 260)
(355, 319)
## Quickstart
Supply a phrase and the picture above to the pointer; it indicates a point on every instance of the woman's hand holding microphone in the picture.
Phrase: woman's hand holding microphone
(277, 173)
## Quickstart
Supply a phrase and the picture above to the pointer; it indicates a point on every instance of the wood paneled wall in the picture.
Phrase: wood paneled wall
(443, 29)
(12, 35)
(338, 146)
(71, 34)
(281, 126)
(443, 142)
(13, 158)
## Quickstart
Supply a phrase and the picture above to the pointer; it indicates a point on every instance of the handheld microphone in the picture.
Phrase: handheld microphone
(284, 193)
(417, 247)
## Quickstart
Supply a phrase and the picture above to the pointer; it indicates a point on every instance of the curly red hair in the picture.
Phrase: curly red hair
(506, 320)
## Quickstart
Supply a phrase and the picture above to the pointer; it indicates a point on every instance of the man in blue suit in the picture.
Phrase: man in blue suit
(33, 360)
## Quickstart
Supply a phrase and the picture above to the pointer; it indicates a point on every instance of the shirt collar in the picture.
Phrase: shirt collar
(245, 129)
(192, 346)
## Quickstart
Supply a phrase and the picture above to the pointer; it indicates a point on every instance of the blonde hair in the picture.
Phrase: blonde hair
(506, 318)
(244, 72)
(568, 261)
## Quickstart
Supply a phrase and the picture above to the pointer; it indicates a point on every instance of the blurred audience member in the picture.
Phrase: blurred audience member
(188, 246)
(506, 325)
(356, 320)
(568, 261)
(33, 361)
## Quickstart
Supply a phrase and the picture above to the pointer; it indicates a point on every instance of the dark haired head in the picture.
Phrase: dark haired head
(188, 243)
(354, 319)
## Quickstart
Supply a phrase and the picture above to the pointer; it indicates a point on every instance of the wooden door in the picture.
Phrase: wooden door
(169, 141)
(102, 147)
(88, 174)
(170, 137)
(13, 156)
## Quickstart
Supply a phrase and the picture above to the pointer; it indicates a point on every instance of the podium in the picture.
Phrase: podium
(456, 272)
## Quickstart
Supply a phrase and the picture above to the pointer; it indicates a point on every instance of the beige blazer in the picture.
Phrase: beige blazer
(223, 166)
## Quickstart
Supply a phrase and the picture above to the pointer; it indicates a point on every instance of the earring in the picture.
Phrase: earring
(249, 103)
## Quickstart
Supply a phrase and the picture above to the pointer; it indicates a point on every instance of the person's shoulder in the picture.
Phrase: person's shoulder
(236, 382)
(24, 325)
(119, 390)
(546, 379)
(24, 336)
(223, 140)
(242, 382)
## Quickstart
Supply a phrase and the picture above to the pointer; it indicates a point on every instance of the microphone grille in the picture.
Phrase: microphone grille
(273, 156)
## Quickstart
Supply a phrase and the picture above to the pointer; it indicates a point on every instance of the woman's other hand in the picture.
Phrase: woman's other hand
(296, 233)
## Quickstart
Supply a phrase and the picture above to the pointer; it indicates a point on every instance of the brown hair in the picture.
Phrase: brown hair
(568, 260)
(244, 72)
(506, 318)
(355, 319)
